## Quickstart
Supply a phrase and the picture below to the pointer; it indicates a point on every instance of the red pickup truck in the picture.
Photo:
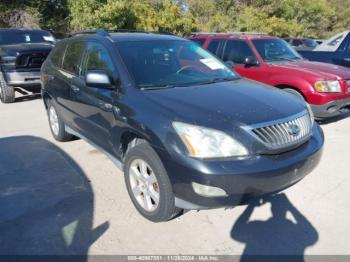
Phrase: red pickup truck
(272, 61)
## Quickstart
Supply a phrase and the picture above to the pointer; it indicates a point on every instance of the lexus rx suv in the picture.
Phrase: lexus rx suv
(188, 132)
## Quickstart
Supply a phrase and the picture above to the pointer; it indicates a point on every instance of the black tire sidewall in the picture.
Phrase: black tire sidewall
(166, 208)
(7, 93)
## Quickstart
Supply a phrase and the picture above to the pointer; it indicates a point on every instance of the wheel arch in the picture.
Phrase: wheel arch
(286, 86)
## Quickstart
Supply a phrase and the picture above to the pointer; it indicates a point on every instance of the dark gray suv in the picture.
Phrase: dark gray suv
(188, 132)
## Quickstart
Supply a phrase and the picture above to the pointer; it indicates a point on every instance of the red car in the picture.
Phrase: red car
(272, 61)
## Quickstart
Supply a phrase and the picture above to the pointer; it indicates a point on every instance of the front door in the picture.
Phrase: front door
(94, 105)
(236, 50)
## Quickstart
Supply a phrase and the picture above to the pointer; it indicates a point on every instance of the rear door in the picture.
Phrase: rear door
(93, 105)
(215, 46)
(68, 67)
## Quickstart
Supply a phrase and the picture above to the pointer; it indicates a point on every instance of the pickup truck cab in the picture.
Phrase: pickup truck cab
(272, 61)
(335, 50)
(22, 52)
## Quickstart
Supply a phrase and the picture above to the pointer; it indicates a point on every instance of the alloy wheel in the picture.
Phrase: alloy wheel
(144, 185)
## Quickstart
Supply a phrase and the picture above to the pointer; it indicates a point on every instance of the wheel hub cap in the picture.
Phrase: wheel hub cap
(144, 185)
(53, 120)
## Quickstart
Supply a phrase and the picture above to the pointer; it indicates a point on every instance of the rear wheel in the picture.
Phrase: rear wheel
(148, 184)
(7, 93)
(57, 126)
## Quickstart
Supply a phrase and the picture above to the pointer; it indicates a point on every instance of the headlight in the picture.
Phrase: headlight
(8, 60)
(208, 143)
(328, 86)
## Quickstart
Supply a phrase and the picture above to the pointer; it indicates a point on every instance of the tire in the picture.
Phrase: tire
(294, 92)
(56, 124)
(7, 93)
(158, 182)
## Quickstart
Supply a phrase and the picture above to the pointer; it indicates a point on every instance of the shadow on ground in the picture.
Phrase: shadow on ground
(287, 232)
(46, 201)
(334, 119)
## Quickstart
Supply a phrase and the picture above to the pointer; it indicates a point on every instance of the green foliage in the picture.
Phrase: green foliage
(136, 14)
(313, 18)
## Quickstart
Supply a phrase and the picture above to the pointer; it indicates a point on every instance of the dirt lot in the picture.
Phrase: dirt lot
(68, 198)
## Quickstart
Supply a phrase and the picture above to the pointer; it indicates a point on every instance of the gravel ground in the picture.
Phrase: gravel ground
(68, 198)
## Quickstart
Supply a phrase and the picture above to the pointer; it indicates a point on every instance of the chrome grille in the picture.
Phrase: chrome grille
(31, 60)
(286, 132)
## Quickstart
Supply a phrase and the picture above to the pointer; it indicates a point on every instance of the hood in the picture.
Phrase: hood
(239, 102)
(323, 70)
(13, 49)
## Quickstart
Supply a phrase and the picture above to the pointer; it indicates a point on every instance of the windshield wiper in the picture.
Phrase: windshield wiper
(293, 59)
(155, 87)
(217, 80)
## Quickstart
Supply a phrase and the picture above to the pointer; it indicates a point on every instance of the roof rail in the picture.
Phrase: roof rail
(103, 32)
(100, 32)
(227, 33)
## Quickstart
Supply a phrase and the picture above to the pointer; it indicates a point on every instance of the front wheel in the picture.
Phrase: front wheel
(294, 92)
(148, 184)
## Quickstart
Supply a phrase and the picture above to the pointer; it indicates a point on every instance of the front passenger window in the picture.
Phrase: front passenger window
(98, 58)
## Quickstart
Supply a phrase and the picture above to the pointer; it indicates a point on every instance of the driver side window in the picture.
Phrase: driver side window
(98, 58)
(236, 51)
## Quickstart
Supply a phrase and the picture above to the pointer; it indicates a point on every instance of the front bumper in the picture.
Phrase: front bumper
(23, 78)
(242, 179)
(331, 109)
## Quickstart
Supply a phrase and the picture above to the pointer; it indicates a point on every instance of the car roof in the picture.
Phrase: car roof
(238, 35)
(128, 36)
(118, 37)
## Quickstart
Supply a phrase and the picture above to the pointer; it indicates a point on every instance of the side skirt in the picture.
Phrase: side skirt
(116, 161)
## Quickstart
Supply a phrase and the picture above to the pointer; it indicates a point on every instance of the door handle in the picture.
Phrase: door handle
(75, 88)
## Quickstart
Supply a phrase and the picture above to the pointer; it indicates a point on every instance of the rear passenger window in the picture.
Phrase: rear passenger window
(199, 41)
(297, 42)
(72, 57)
(214, 46)
(57, 54)
(236, 51)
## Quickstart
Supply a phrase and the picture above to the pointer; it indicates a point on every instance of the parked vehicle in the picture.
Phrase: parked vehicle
(22, 52)
(335, 50)
(188, 132)
(271, 61)
(319, 41)
(302, 43)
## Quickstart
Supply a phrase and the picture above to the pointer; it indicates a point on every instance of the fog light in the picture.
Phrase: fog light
(208, 191)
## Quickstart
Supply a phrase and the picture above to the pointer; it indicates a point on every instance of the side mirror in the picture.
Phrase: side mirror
(98, 78)
(229, 64)
(250, 61)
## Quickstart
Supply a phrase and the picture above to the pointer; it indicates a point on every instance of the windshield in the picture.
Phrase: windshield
(17, 37)
(166, 63)
(272, 50)
(310, 42)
